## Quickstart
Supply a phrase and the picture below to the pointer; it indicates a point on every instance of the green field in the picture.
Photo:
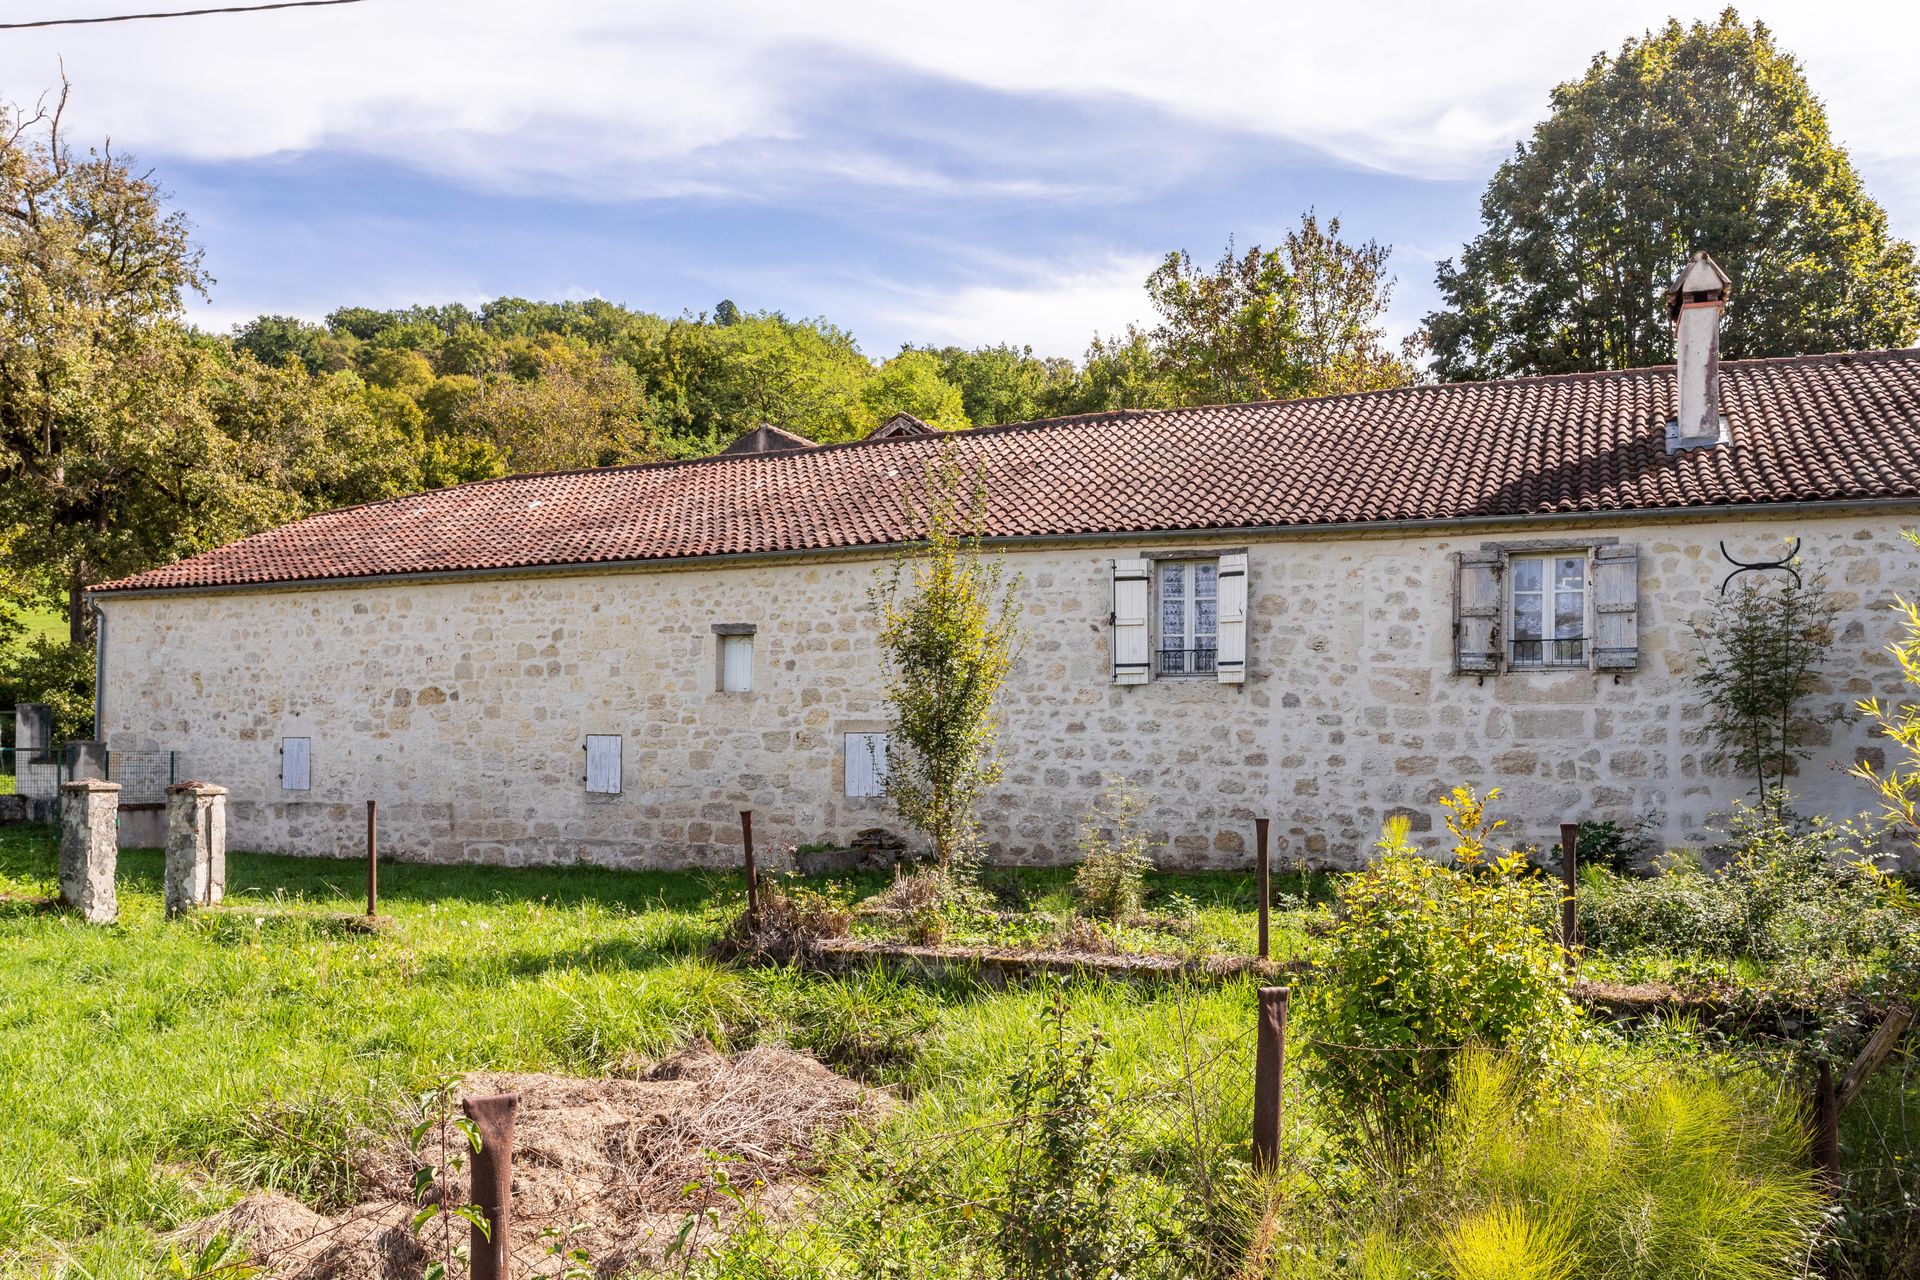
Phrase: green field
(48, 623)
(152, 1073)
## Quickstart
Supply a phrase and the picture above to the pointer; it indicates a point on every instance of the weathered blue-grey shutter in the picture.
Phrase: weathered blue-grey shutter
(866, 764)
(1615, 573)
(603, 764)
(296, 764)
(1132, 662)
(1230, 658)
(1476, 611)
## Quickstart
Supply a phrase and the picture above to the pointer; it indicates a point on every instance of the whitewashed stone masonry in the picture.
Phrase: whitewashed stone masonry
(464, 705)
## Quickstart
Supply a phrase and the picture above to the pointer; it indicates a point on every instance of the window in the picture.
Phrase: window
(866, 764)
(603, 764)
(1550, 610)
(1189, 617)
(296, 764)
(736, 664)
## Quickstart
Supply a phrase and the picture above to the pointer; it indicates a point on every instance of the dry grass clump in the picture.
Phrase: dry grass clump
(627, 1160)
(1082, 934)
(792, 918)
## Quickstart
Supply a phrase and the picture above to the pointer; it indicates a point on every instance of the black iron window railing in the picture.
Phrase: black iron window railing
(1562, 651)
(1185, 662)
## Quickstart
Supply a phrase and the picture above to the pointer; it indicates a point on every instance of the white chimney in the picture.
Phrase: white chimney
(1695, 303)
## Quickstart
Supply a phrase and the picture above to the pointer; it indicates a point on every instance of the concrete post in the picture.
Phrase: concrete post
(85, 760)
(90, 849)
(35, 766)
(196, 846)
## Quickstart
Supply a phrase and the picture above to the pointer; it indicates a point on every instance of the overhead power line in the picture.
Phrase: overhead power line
(176, 13)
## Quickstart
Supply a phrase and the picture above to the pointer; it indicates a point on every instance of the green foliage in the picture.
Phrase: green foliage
(948, 633)
(1691, 137)
(868, 1025)
(1424, 960)
(1114, 860)
(1300, 319)
(1791, 895)
(56, 673)
(1064, 1216)
(1898, 787)
(1763, 649)
(1645, 1173)
(1619, 849)
(914, 382)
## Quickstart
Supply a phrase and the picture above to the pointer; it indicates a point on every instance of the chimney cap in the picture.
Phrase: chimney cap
(1701, 280)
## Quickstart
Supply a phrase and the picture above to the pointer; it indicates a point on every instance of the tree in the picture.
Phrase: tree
(583, 410)
(1006, 384)
(1341, 291)
(1762, 650)
(911, 382)
(1228, 334)
(93, 368)
(948, 633)
(1701, 137)
(1270, 324)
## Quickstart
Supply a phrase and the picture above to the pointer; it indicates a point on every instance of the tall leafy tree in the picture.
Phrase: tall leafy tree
(1299, 319)
(1691, 137)
(912, 382)
(95, 374)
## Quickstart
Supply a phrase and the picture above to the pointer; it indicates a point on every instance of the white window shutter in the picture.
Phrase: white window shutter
(1132, 661)
(866, 764)
(736, 664)
(296, 764)
(1616, 608)
(603, 764)
(1476, 611)
(1230, 659)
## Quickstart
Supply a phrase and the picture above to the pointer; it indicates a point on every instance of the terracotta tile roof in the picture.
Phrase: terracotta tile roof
(1804, 429)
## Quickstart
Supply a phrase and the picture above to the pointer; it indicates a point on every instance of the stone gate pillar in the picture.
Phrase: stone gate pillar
(90, 848)
(196, 846)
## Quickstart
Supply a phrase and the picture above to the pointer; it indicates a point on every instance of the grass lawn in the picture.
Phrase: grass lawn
(132, 1057)
(41, 623)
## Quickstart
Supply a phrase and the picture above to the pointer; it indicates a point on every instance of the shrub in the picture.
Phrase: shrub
(1621, 850)
(1651, 1174)
(1065, 1218)
(1423, 960)
(1111, 879)
(792, 917)
(55, 673)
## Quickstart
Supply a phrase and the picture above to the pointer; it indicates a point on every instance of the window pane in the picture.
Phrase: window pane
(1526, 618)
(1526, 575)
(1206, 580)
(1569, 614)
(1206, 622)
(1570, 573)
(1173, 606)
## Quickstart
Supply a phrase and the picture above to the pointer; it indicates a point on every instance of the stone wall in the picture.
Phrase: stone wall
(463, 706)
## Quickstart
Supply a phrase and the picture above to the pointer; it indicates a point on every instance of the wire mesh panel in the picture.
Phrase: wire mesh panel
(144, 776)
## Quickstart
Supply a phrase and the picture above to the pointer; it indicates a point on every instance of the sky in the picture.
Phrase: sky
(995, 171)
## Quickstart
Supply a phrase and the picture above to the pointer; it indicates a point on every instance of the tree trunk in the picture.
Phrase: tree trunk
(77, 606)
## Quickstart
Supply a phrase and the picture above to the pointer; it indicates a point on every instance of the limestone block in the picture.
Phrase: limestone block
(196, 873)
(90, 848)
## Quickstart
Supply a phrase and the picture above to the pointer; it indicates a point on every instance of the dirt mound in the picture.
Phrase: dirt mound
(611, 1157)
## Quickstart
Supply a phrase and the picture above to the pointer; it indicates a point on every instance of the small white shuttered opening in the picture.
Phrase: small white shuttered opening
(736, 664)
(866, 764)
(296, 764)
(1230, 663)
(1615, 573)
(1476, 611)
(1132, 661)
(603, 764)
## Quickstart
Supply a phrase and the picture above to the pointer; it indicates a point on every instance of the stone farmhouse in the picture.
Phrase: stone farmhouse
(1322, 611)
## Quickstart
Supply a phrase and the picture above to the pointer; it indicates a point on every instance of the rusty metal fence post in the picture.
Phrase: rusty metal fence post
(373, 858)
(1570, 882)
(1826, 1125)
(1269, 1071)
(753, 870)
(489, 1251)
(1262, 870)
